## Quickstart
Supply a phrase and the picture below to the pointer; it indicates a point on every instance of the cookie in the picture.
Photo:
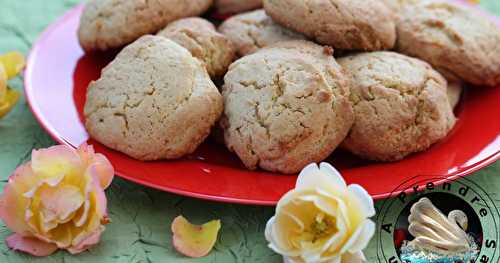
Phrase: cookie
(454, 91)
(400, 103)
(350, 25)
(455, 40)
(398, 5)
(286, 106)
(254, 30)
(204, 42)
(107, 24)
(153, 101)
(236, 6)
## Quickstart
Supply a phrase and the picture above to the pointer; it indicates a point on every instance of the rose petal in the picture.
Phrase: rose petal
(13, 62)
(62, 235)
(360, 238)
(269, 233)
(282, 243)
(104, 169)
(30, 245)
(333, 245)
(61, 201)
(192, 240)
(331, 171)
(13, 204)
(311, 256)
(332, 259)
(342, 211)
(99, 165)
(81, 216)
(274, 244)
(269, 229)
(357, 257)
(101, 173)
(313, 178)
(9, 100)
(327, 205)
(55, 161)
(86, 243)
(364, 199)
(95, 217)
(101, 201)
(3, 83)
(306, 179)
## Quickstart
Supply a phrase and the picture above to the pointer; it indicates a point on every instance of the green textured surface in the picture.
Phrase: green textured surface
(140, 231)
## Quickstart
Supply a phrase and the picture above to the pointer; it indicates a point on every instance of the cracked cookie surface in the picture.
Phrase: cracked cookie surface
(236, 6)
(254, 30)
(400, 103)
(153, 101)
(457, 41)
(200, 37)
(286, 106)
(107, 24)
(350, 25)
(398, 5)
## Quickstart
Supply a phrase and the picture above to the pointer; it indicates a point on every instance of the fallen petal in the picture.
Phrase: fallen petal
(30, 245)
(193, 240)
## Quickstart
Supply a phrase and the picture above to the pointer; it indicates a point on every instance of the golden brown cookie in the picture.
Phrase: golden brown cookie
(455, 40)
(153, 101)
(107, 24)
(400, 103)
(254, 30)
(236, 6)
(286, 106)
(454, 91)
(204, 42)
(350, 25)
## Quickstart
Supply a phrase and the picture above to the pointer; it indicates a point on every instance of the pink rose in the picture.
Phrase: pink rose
(57, 201)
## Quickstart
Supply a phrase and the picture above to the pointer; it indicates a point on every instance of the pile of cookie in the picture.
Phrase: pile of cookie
(286, 98)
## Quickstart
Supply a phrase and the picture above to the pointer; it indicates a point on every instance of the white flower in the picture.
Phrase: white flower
(322, 219)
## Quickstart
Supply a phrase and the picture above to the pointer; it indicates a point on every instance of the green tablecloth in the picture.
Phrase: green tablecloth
(141, 217)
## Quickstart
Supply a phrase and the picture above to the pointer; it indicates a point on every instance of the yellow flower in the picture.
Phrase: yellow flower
(10, 65)
(57, 201)
(322, 219)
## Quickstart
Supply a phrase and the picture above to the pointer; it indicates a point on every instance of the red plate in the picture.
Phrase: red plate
(57, 76)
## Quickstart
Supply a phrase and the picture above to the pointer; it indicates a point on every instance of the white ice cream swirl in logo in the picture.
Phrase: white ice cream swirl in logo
(433, 231)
